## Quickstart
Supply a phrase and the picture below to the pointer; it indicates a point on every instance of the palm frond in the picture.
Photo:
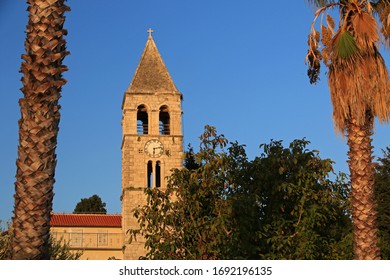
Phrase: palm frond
(330, 22)
(358, 78)
(357, 88)
(365, 30)
(327, 39)
(321, 3)
(345, 45)
(382, 10)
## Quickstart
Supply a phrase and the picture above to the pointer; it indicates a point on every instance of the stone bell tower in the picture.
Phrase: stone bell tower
(152, 138)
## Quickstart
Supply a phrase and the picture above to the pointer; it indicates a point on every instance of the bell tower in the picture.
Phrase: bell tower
(152, 138)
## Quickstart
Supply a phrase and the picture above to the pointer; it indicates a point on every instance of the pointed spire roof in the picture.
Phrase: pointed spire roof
(151, 75)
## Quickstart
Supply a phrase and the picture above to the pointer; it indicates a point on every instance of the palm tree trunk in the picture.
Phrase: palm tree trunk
(362, 190)
(38, 128)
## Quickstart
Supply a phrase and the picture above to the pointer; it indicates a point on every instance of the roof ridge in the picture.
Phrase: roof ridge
(86, 214)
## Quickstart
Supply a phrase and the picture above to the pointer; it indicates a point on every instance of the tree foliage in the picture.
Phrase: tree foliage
(350, 51)
(281, 205)
(382, 195)
(5, 243)
(304, 214)
(93, 204)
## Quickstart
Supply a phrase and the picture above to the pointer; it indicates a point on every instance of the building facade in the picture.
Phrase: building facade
(152, 138)
(96, 236)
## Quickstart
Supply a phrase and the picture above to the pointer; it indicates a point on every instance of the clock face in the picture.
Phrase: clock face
(154, 148)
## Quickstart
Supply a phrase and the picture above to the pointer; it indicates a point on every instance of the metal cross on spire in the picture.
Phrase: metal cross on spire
(150, 31)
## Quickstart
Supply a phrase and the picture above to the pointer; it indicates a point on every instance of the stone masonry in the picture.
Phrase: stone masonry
(152, 89)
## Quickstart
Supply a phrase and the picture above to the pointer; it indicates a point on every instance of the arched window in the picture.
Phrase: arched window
(150, 174)
(164, 121)
(142, 120)
(158, 174)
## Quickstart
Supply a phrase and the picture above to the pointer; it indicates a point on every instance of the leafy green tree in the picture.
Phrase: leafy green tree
(359, 87)
(303, 213)
(282, 205)
(93, 204)
(382, 195)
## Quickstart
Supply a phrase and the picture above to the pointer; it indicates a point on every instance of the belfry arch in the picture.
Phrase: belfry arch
(164, 120)
(142, 120)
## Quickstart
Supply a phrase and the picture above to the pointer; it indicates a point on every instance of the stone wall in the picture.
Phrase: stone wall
(135, 160)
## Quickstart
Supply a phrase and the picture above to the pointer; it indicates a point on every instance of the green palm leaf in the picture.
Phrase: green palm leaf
(345, 45)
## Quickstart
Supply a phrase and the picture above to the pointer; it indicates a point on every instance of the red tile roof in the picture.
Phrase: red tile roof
(85, 220)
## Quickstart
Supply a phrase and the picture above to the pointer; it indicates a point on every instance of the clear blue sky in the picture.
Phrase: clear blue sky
(239, 64)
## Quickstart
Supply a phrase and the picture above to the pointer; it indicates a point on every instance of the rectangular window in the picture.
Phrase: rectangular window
(158, 174)
(102, 238)
(150, 174)
(76, 238)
